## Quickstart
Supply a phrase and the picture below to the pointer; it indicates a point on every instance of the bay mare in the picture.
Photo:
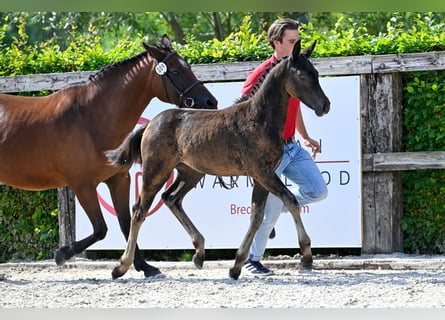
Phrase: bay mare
(59, 140)
(243, 139)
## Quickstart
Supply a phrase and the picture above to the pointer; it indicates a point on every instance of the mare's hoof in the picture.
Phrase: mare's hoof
(62, 255)
(153, 272)
(198, 261)
(234, 273)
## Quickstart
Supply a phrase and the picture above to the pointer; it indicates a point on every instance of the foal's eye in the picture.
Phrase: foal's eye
(300, 75)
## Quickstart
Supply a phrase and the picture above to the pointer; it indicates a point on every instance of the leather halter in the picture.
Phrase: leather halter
(162, 70)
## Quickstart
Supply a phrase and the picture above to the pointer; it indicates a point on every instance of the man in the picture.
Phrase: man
(297, 164)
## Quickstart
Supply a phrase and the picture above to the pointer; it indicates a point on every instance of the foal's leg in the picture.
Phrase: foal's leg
(259, 196)
(119, 186)
(173, 196)
(87, 197)
(277, 187)
(127, 257)
(140, 209)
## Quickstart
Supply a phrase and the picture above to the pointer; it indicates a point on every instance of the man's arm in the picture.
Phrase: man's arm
(307, 141)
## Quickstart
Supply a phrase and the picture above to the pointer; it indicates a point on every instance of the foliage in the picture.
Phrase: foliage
(424, 34)
(62, 27)
(28, 222)
(241, 45)
(83, 53)
(424, 192)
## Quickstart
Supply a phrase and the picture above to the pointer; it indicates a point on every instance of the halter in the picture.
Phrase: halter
(161, 69)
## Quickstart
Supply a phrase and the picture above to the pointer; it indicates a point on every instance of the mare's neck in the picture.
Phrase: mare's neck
(120, 95)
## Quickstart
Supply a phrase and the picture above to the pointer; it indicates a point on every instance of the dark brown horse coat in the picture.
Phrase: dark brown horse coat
(59, 140)
(244, 139)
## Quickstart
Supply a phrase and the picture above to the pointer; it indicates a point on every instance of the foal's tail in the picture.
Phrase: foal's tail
(129, 151)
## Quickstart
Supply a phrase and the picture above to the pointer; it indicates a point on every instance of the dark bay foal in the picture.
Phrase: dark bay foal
(243, 139)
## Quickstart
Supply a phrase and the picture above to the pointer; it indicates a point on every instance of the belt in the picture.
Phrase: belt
(288, 140)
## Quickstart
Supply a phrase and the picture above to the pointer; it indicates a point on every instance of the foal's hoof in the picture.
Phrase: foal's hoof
(117, 273)
(198, 261)
(306, 264)
(62, 255)
(234, 273)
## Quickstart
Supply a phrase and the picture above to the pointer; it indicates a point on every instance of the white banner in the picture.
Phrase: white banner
(222, 216)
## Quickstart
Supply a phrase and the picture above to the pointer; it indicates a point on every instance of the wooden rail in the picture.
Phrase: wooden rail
(238, 71)
(402, 161)
(382, 159)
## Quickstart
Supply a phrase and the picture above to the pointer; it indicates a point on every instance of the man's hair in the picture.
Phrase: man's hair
(276, 30)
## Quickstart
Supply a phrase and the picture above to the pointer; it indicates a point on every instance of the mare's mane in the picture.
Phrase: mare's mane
(115, 65)
(258, 84)
(118, 64)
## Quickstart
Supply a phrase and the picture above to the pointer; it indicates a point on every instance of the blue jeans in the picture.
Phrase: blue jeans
(298, 166)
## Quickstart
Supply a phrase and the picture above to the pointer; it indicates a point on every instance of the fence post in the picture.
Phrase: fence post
(381, 100)
(67, 216)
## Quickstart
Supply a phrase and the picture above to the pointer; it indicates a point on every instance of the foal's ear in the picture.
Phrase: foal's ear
(308, 51)
(296, 50)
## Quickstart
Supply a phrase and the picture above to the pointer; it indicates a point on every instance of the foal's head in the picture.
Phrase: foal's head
(180, 85)
(302, 81)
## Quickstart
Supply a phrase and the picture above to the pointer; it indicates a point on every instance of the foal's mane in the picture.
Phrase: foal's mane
(259, 82)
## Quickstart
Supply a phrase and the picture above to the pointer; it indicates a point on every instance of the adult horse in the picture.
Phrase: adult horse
(243, 139)
(59, 140)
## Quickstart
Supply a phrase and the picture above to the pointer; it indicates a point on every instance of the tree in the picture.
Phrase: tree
(221, 24)
(61, 28)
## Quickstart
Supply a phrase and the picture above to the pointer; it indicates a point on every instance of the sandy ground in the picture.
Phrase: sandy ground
(379, 281)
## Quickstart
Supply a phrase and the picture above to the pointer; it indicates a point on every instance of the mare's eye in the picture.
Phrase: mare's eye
(175, 73)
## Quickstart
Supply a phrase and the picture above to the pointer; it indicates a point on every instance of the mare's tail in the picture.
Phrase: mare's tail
(129, 151)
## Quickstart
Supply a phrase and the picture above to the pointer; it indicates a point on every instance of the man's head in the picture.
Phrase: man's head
(282, 35)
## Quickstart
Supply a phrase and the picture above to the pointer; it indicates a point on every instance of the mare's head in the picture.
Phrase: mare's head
(180, 85)
(302, 81)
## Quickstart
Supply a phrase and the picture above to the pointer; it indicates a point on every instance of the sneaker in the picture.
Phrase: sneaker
(255, 268)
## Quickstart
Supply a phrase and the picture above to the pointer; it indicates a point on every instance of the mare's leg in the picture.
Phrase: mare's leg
(173, 196)
(259, 196)
(87, 197)
(277, 187)
(119, 186)
(148, 192)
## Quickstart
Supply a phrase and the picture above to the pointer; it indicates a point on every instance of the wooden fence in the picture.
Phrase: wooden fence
(381, 123)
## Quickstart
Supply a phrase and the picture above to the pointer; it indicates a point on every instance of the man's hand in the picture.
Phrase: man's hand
(314, 145)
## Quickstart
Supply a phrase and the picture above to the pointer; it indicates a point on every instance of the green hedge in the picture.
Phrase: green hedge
(424, 190)
(28, 224)
(28, 220)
